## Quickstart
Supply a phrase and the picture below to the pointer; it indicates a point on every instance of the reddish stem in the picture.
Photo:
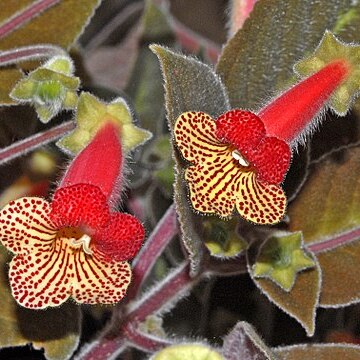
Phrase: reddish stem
(286, 116)
(340, 240)
(103, 156)
(240, 11)
(25, 15)
(23, 146)
(164, 231)
(26, 53)
(110, 344)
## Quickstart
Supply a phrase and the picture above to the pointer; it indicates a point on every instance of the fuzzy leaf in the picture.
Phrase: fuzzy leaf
(187, 351)
(60, 25)
(258, 60)
(244, 343)
(332, 193)
(55, 330)
(190, 86)
(301, 302)
(319, 352)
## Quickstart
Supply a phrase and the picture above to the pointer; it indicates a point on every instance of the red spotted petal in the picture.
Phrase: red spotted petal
(98, 280)
(271, 159)
(241, 128)
(49, 278)
(80, 205)
(25, 225)
(122, 238)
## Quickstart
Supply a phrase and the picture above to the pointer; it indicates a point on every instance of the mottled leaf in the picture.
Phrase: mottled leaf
(332, 228)
(301, 302)
(244, 343)
(258, 60)
(190, 86)
(319, 352)
(55, 330)
(60, 24)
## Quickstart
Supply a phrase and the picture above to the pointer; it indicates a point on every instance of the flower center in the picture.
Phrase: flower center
(237, 156)
(77, 238)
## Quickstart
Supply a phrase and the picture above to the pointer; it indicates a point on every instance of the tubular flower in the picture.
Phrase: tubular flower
(240, 159)
(74, 246)
(234, 164)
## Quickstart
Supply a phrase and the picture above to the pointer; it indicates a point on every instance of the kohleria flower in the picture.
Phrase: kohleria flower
(75, 246)
(240, 159)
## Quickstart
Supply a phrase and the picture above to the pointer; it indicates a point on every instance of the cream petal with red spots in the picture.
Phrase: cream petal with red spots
(49, 278)
(25, 225)
(52, 264)
(98, 280)
(218, 180)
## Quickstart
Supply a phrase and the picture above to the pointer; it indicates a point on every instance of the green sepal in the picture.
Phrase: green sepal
(280, 259)
(49, 88)
(331, 49)
(221, 237)
(92, 114)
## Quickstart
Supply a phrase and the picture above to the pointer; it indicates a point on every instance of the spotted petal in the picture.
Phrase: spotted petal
(49, 278)
(195, 137)
(43, 278)
(261, 203)
(98, 280)
(25, 225)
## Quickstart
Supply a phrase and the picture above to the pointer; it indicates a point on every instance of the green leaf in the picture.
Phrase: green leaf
(258, 60)
(189, 85)
(55, 330)
(332, 228)
(281, 258)
(145, 84)
(319, 352)
(244, 343)
(59, 25)
(187, 351)
(301, 302)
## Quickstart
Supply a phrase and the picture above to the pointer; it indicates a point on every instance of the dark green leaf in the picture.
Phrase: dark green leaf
(258, 60)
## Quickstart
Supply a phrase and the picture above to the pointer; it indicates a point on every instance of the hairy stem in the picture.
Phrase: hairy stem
(113, 341)
(24, 146)
(26, 53)
(165, 230)
(25, 15)
(342, 239)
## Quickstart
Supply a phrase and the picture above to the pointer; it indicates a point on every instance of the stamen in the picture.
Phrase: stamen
(237, 156)
(84, 241)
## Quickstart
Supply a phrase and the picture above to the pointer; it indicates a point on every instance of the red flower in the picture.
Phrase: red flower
(75, 246)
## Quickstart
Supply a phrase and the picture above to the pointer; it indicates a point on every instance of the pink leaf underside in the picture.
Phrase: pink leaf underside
(122, 238)
(217, 181)
(48, 269)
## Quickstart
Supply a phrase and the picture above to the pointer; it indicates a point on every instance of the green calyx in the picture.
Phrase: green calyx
(50, 88)
(92, 114)
(281, 258)
(188, 351)
(222, 239)
(332, 49)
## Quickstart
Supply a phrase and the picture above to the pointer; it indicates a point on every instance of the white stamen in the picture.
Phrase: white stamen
(84, 241)
(237, 156)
